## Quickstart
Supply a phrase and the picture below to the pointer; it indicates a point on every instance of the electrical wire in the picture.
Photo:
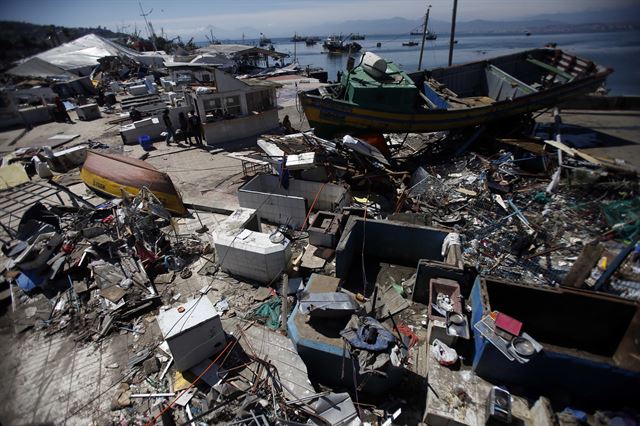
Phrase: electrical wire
(364, 233)
(312, 206)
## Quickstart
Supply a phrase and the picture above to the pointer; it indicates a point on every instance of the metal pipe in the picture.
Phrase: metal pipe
(453, 30)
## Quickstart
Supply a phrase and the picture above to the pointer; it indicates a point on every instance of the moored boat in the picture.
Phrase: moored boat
(378, 96)
(335, 44)
(296, 38)
(264, 40)
(428, 36)
(110, 174)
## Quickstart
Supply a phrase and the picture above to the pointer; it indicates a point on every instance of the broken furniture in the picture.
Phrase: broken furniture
(193, 332)
(244, 251)
(66, 159)
(151, 126)
(88, 112)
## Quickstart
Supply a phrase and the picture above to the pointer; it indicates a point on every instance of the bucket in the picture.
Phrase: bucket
(145, 142)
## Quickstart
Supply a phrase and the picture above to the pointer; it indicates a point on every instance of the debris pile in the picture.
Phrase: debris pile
(99, 265)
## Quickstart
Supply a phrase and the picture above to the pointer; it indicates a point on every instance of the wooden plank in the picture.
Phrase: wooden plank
(573, 152)
(581, 268)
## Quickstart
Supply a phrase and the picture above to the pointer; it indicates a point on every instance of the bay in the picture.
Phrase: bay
(617, 50)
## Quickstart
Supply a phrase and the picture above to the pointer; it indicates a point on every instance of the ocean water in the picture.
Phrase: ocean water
(617, 50)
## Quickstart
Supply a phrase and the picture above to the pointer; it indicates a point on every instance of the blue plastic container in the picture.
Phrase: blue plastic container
(145, 142)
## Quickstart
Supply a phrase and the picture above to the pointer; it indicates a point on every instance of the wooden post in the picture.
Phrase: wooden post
(284, 307)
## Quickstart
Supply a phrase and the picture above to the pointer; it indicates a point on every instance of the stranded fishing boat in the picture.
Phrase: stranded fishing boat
(377, 96)
(109, 174)
(335, 44)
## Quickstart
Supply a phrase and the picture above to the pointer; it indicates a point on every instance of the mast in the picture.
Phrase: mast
(453, 30)
(152, 35)
(295, 44)
(424, 35)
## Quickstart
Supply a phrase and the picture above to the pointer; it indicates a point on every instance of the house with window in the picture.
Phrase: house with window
(189, 74)
(232, 109)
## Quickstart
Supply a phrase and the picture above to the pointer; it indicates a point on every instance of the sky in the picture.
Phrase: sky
(275, 18)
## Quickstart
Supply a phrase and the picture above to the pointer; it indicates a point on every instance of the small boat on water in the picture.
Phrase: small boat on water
(428, 36)
(110, 174)
(335, 44)
(410, 43)
(310, 42)
(377, 96)
(264, 40)
(296, 38)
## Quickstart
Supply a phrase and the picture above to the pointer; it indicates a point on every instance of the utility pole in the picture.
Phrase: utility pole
(152, 35)
(424, 35)
(453, 30)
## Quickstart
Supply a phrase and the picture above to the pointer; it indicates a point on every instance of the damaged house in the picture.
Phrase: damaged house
(232, 109)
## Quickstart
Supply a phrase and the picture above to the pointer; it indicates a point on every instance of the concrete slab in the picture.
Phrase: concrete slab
(53, 380)
(614, 134)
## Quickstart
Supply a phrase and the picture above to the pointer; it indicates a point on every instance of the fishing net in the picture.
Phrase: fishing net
(624, 217)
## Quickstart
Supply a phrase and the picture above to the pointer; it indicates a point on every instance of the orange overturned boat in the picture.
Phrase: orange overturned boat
(110, 174)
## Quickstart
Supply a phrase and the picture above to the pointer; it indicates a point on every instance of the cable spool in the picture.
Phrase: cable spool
(374, 65)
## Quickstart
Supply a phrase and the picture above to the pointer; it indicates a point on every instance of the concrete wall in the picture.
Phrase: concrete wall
(251, 255)
(392, 242)
(242, 250)
(242, 127)
(434, 269)
(577, 329)
(290, 206)
(12, 115)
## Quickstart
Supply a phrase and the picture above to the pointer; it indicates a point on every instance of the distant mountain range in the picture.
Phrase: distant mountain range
(603, 20)
(21, 39)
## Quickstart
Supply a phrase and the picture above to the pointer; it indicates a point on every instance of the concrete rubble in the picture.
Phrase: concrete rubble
(459, 277)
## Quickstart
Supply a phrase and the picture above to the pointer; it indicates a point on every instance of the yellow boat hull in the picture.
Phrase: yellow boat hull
(112, 174)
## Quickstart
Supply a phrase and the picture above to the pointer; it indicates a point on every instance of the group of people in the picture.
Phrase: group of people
(189, 127)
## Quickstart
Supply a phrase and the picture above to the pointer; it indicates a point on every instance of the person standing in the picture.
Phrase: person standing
(184, 127)
(286, 125)
(171, 134)
(195, 129)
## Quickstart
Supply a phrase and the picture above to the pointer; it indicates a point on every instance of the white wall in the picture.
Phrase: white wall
(239, 128)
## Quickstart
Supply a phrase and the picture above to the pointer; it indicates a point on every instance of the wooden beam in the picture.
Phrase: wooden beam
(582, 267)
(550, 68)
